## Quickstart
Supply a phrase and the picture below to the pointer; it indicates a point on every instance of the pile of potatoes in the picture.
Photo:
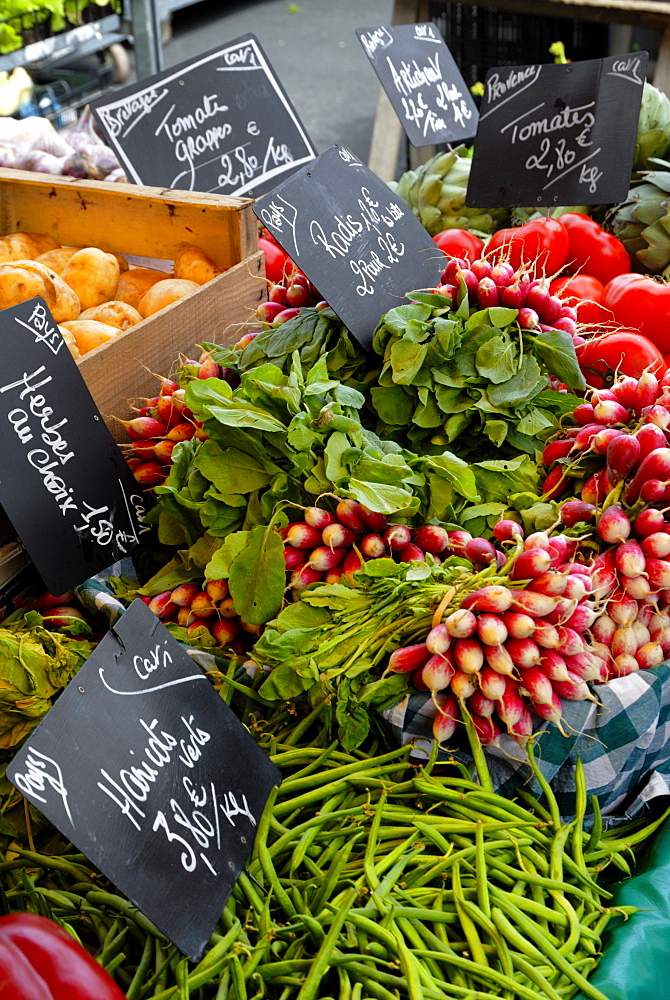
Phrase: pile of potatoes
(93, 295)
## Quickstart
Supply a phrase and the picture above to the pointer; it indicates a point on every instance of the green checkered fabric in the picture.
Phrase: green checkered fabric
(623, 742)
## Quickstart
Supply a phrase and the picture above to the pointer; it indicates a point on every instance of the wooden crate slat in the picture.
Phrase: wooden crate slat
(125, 369)
(127, 218)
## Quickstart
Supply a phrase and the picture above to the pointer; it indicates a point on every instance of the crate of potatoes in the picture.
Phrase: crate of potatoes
(134, 275)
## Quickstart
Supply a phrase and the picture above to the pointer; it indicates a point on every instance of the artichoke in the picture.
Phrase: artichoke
(653, 129)
(435, 192)
(34, 665)
(642, 221)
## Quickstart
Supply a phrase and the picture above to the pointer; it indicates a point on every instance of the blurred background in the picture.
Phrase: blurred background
(313, 48)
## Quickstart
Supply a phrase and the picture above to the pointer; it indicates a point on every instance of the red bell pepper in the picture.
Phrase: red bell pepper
(41, 961)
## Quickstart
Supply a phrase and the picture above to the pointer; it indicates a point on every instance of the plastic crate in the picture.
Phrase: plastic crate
(480, 38)
(61, 93)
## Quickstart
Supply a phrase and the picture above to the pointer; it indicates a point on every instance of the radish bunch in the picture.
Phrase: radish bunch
(207, 612)
(164, 421)
(285, 299)
(631, 586)
(492, 284)
(514, 647)
(618, 436)
(326, 546)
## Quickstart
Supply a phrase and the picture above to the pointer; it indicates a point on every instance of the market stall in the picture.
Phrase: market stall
(341, 666)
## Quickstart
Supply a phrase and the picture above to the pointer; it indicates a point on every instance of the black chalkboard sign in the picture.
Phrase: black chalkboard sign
(221, 123)
(422, 81)
(557, 134)
(150, 774)
(64, 484)
(353, 237)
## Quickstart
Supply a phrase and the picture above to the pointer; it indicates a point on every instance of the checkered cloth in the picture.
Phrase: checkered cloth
(623, 742)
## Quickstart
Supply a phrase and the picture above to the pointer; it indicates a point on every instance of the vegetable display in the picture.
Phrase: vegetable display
(369, 873)
(471, 517)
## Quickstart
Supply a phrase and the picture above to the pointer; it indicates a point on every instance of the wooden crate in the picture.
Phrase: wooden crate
(151, 223)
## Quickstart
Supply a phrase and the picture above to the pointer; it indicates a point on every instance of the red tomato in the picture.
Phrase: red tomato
(639, 302)
(277, 262)
(625, 352)
(592, 250)
(460, 243)
(583, 293)
(541, 244)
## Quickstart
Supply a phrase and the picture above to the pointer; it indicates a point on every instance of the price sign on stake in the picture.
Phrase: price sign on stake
(150, 774)
(354, 239)
(557, 134)
(64, 484)
(222, 124)
(423, 83)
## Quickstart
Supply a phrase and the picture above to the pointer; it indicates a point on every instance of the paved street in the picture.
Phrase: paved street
(314, 52)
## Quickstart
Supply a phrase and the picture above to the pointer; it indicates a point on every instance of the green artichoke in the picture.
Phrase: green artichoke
(653, 130)
(642, 221)
(435, 192)
(34, 665)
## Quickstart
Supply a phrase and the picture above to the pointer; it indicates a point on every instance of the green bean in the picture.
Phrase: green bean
(368, 858)
(557, 959)
(54, 863)
(597, 830)
(478, 917)
(127, 909)
(482, 877)
(136, 983)
(469, 929)
(552, 804)
(531, 972)
(336, 774)
(237, 978)
(518, 940)
(408, 929)
(310, 987)
(113, 943)
(411, 968)
(333, 876)
(222, 991)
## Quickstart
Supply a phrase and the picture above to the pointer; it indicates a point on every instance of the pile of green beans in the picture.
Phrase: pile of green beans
(371, 878)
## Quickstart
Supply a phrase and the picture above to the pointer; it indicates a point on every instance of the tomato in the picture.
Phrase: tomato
(640, 302)
(583, 293)
(460, 243)
(541, 244)
(592, 250)
(625, 352)
(277, 261)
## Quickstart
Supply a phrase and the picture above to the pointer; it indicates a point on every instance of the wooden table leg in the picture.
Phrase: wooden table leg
(662, 71)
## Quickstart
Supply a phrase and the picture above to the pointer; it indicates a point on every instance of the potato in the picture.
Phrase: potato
(62, 301)
(25, 246)
(164, 293)
(114, 313)
(93, 275)
(58, 258)
(133, 284)
(70, 342)
(193, 264)
(18, 284)
(89, 334)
